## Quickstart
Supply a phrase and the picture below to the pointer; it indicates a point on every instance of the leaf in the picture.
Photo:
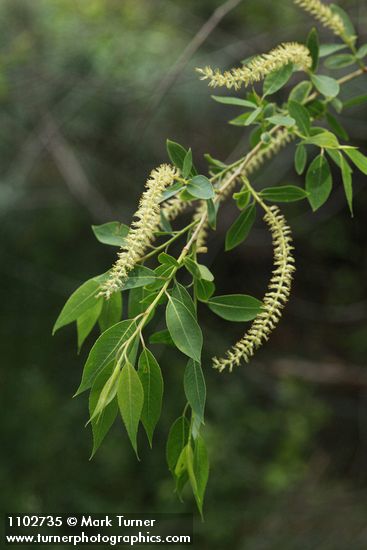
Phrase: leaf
(161, 337)
(204, 289)
(111, 311)
(112, 233)
(86, 322)
(337, 127)
(104, 351)
(301, 116)
(314, 47)
(184, 329)
(152, 382)
(102, 424)
(318, 182)
(323, 139)
(329, 87)
(80, 301)
(187, 164)
(362, 51)
(234, 101)
(300, 158)
(167, 259)
(284, 193)
(140, 276)
(328, 49)
(195, 389)
(240, 229)
(277, 79)
(281, 120)
(358, 159)
(348, 25)
(347, 181)
(339, 61)
(180, 292)
(200, 187)
(212, 214)
(242, 198)
(177, 439)
(252, 116)
(358, 100)
(171, 191)
(136, 295)
(130, 397)
(235, 307)
(205, 273)
(300, 92)
(164, 222)
(176, 153)
(201, 471)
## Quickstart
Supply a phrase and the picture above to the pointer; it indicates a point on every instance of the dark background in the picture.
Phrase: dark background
(88, 96)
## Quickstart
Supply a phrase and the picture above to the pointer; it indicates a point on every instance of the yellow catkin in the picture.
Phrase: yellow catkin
(142, 229)
(323, 14)
(274, 300)
(259, 67)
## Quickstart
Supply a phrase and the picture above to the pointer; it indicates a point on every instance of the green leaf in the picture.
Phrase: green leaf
(140, 276)
(164, 223)
(235, 307)
(200, 187)
(328, 49)
(212, 214)
(347, 181)
(314, 47)
(195, 389)
(337, 127)
(329, 87)
(201, 471)
(240, 229)
(323, 139)
(277, 79)
(184, 329)
(348, 25)
(180, 292)
(102, 424)
(281, 120)
(167, 259)
(358, 100)
(111, 311)
(130, 397)
(112, 233)
(358, 159)
(301, 116)
(204, 289)
(171, 191)
(242, 198)
(234, 101)
(80, 301)
(205, 273)
(187, 164)
(300, 158)
(318, 182)
(362, 51)
(252, 116)
(283, 193)
(300, 92)
(176, 153)
(86, 322)
(339, 61)
(161, 337)
(192, 267)
(176, 442)
(136, 295)
(104, 351)
(151, 379)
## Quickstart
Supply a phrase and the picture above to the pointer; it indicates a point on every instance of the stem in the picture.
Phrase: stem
(170, 241)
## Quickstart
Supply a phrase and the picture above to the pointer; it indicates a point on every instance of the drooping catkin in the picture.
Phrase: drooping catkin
(259, 67)
(274, 300)
(324, 14)
(142, 229)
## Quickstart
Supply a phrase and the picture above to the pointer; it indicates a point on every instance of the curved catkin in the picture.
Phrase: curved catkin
(259, 67)
(274, 300)
(323, 14)
(142, 229)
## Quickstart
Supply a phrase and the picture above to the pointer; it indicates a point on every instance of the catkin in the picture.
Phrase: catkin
(323, 14)
(274, 300)
(142, 229)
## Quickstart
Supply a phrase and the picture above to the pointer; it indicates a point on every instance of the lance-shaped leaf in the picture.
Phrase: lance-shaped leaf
(102, 424)
(204, 289)
(283, 193)
(239, 230)
(104, 351)
(318, 182)
(277, 79)
(111, 233)
(86, 322)
(130, 396)
(184, 329)
(347, 181)
(300, 158)
(151, 379)
(140, 276)
(235, 307)
(195, 389)
(177, 439)
(301, 116)
(111, 311)
(358, 159)
(200, 470)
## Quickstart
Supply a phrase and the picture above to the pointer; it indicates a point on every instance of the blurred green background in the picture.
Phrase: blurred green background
(89, 92)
